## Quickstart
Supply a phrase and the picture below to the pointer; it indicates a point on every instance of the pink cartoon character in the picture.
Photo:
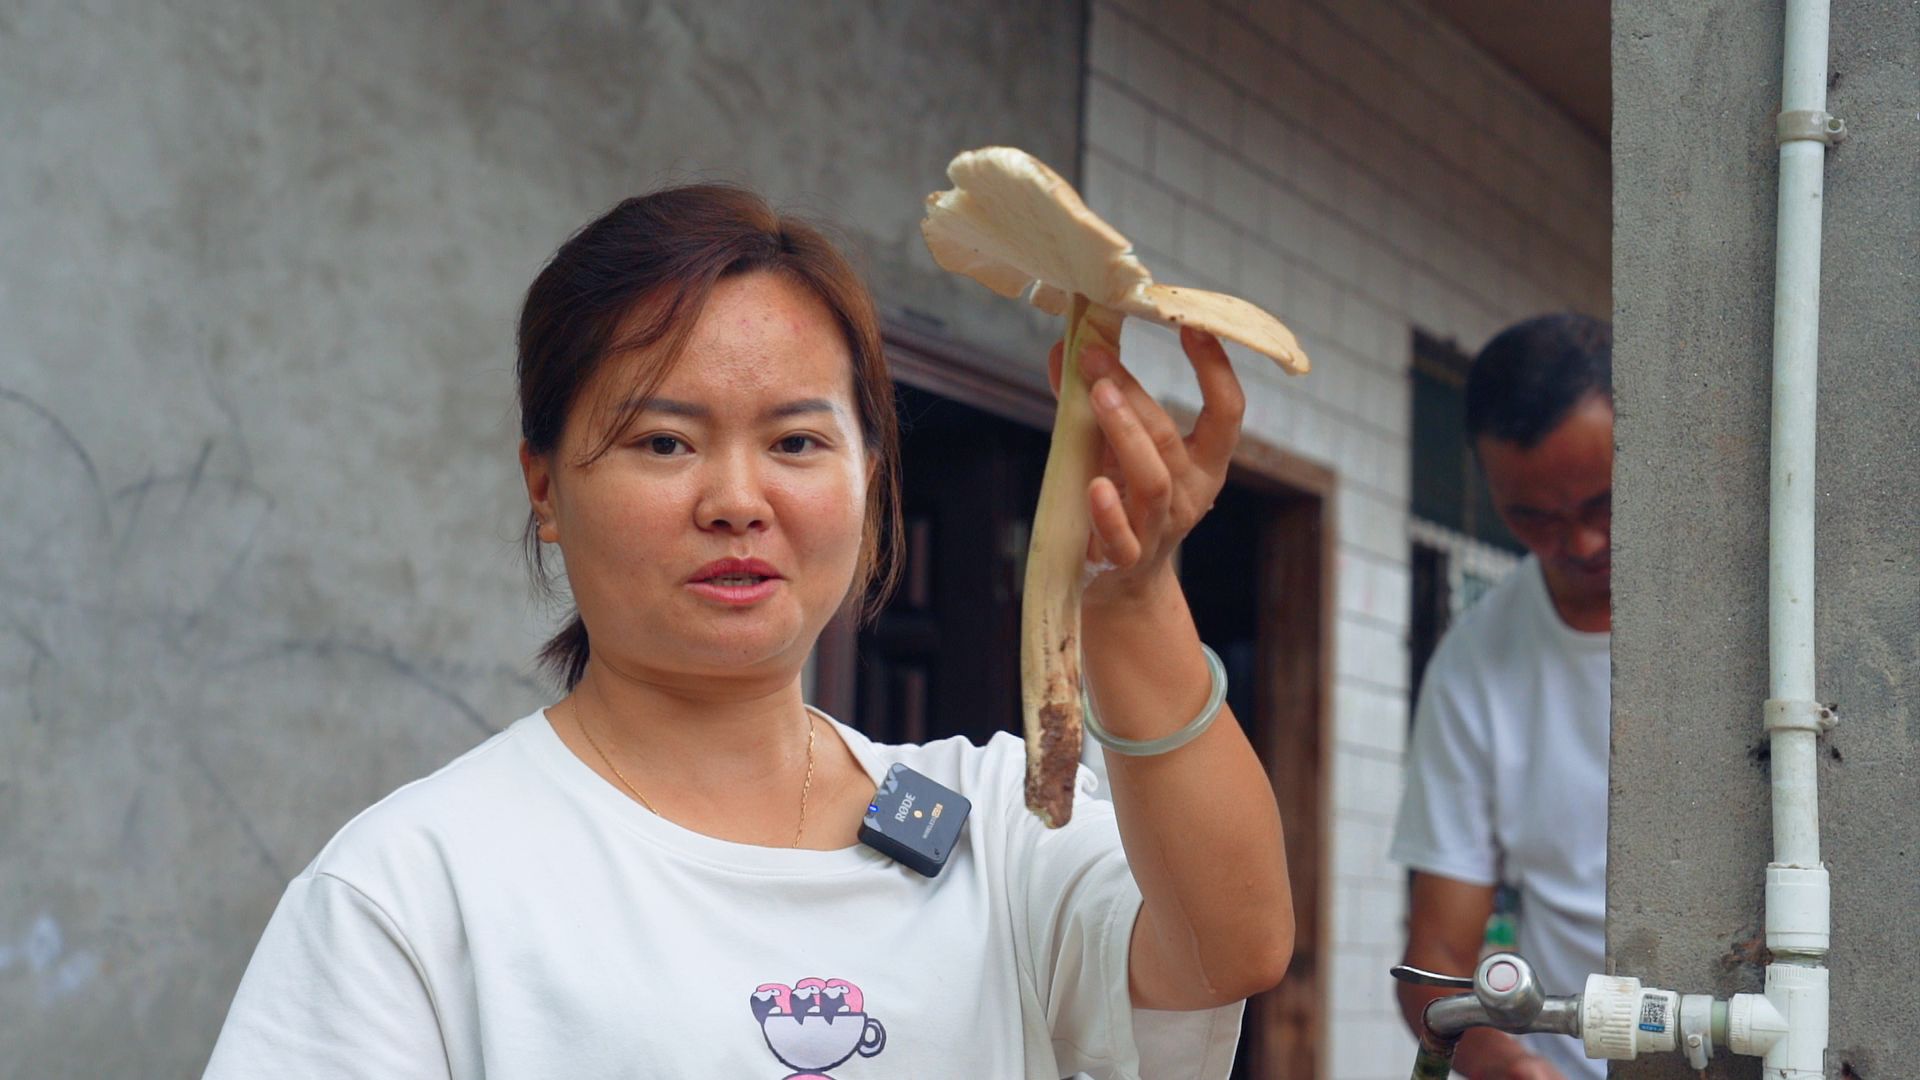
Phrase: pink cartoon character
(816, 1024)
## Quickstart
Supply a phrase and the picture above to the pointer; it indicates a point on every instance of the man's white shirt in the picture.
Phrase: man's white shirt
(1507, 780)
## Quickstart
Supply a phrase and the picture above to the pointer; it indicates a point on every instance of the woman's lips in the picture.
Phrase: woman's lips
(735, 594)
(736, 581)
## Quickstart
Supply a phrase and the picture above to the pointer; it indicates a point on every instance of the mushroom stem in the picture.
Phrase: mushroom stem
(1056, 574)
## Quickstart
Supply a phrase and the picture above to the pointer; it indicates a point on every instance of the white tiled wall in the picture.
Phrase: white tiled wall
(1361, 169)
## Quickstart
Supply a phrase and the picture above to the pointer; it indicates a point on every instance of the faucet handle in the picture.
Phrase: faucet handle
(1407, 973)
(1506, 985)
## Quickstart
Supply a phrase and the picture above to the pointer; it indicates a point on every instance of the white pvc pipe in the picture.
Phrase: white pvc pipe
(1796, 331)
(1797, 889)
(1796, 799)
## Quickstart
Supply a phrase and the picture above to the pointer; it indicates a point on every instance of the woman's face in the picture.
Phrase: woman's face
(721, 532)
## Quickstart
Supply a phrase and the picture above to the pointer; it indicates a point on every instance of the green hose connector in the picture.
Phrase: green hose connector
(1431, 1064)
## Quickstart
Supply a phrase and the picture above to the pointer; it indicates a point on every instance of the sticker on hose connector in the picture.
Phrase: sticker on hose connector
(1653, 1014)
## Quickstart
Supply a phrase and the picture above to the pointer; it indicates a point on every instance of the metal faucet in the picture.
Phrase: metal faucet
(1615, 1017)
(1506, 995)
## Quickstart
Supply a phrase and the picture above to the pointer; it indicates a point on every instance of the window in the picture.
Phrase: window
(1448, 490)
(1460, 547)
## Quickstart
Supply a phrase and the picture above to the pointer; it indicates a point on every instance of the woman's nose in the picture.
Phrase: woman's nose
(734, 499)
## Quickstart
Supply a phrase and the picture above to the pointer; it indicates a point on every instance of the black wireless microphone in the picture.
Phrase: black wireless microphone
(914, 820)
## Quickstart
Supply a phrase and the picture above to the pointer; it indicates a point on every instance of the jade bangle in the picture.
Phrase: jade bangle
(1216, 696)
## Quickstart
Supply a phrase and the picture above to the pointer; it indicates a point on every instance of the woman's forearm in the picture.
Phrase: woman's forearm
(1199, 823)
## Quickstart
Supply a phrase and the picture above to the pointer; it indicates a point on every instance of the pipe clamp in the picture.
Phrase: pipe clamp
(1788, 714)
(1810, 125)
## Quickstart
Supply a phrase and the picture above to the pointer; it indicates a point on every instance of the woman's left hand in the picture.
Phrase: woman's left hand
(1155, 484)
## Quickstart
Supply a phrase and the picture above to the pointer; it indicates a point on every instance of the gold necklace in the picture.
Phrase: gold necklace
(806, 786)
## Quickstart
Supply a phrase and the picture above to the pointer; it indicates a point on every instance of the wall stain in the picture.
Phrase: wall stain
(1748, 952)
(41, 953)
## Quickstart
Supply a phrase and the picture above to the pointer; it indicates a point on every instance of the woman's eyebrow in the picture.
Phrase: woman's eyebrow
(676, 407)
(800, 408)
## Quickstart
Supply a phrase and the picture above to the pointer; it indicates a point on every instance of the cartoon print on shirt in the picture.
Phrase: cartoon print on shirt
(816, 1024)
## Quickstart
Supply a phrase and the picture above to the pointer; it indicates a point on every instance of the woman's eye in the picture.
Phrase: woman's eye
(797, 444)
(663, 445)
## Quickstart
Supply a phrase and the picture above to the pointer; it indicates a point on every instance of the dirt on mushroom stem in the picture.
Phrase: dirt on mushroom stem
(1050, 781)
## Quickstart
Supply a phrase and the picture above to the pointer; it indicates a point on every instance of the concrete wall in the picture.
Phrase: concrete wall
(259, 508)
(1362, 170)
(1696, 88)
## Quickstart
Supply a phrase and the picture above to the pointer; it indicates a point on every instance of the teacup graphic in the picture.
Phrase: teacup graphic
(817, 1024)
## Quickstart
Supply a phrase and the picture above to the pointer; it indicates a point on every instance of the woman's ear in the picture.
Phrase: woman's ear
(537, 470)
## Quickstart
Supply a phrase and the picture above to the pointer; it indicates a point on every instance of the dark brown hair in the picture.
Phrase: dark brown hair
(1532, 374)
(644, 271)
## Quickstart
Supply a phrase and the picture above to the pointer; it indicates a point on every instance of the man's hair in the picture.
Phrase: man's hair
(1531, 375)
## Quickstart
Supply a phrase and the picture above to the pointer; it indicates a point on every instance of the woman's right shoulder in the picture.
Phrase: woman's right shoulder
(425, 821)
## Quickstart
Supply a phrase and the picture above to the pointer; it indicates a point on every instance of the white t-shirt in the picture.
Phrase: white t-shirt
(1507, 781)
(513, 915)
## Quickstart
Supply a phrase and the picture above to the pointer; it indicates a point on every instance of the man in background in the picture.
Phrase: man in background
(1507, 771)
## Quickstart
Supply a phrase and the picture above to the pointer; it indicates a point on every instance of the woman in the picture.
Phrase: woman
(658, 876)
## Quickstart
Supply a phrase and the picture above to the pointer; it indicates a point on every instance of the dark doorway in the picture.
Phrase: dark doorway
(942, 659)
(1219, 571)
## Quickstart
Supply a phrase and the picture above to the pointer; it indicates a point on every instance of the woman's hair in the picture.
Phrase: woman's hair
(634, 281)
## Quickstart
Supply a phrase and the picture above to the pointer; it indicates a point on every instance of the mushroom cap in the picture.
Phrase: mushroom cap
(1015, 226)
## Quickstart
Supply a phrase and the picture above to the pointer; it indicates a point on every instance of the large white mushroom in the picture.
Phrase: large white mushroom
(1015, 226)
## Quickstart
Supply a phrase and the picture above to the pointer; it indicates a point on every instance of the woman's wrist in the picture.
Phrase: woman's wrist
(1144, 623)
(1125, 601)
(1146, 672)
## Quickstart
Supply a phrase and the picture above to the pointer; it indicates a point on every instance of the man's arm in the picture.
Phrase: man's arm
(1446, 924)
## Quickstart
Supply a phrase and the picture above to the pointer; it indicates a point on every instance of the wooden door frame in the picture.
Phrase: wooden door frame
(1297, 655)
(940, 366)
(1302, 645)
